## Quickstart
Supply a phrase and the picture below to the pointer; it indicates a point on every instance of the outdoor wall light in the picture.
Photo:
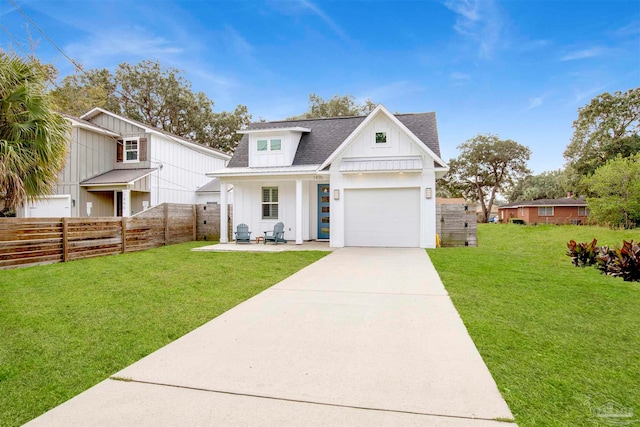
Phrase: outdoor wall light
(428, 192)
(336, 194)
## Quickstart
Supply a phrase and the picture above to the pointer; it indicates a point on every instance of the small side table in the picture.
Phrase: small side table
(259, 239)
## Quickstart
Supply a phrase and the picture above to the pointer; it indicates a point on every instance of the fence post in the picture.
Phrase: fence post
(166, 224)
(124, 234)
(65, 246)
(194, 212)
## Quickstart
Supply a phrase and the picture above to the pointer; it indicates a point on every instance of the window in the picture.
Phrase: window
(269, 144)
(130, 150)
(583, 211)
(545, 211)
(381, 137)
(269, 202)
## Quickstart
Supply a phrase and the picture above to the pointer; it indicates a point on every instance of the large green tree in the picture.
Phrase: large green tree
(155, 95)
(33, 137)
(606, 127)
(547, 185)
(616, 190)
(486, 165)
(337, 106)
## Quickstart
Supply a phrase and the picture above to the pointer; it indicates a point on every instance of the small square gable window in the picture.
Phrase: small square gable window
(381, 137)
(262, 145)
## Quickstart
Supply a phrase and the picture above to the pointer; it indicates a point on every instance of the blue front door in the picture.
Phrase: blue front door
(323, 211)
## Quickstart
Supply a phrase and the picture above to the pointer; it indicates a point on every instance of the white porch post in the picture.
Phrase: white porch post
(298, 211)
(126, 202)
(223, 213)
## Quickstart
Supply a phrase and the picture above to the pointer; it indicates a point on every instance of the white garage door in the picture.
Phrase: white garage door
(50, 207)
(382, 217)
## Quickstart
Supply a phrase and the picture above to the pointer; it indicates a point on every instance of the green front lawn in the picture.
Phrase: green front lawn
(560, 341)
(65, 327)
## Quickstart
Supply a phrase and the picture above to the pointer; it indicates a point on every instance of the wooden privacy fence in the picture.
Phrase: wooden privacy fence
(456, 224)
(28, 241)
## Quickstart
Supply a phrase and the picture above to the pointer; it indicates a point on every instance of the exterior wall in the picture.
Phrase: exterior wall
(125, 129)
(90, 154)
(283, 157)
(137, 197)
(101, 203)
(247, 207)
(209, 197)
(398, 144)
(561, 215)
(181, 170)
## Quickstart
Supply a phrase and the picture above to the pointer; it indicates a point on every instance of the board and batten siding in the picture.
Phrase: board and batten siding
(247, 207)
(125, 129)
(398, 144)
(180, 170)
(90, 154)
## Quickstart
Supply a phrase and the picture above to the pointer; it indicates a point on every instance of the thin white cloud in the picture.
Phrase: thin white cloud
(386, 93)
(535, 102)
(238, 44)
(326, 18)
(479, 21)
(459, 78)
(584, 53)
(584, 95)
(123, 42)
(630, 29)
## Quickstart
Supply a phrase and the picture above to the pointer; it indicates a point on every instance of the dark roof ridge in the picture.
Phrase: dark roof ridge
(337, 117)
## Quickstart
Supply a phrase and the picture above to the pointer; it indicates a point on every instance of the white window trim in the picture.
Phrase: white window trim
(386, 144)
(269, 148)
(262, 202)
(585, 211)
(124, 150)
(545, 211)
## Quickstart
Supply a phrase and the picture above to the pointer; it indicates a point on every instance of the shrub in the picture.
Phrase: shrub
(620, 262)
(582, 254)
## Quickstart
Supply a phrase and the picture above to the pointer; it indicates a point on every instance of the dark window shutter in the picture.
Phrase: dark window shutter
(119, 151)
(143, 149)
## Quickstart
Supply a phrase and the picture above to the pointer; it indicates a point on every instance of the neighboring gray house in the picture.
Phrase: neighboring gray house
(354, 181)
(118, 167)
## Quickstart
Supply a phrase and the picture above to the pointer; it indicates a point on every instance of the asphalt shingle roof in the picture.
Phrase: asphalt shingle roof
(565, 201)
(327, 134)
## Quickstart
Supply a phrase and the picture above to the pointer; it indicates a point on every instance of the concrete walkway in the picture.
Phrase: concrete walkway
(363, 337)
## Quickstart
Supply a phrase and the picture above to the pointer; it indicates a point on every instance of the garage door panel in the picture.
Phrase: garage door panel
(382, 217)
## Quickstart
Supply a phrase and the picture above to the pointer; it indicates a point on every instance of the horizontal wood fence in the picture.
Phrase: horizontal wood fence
(456, 224)
(29, 241)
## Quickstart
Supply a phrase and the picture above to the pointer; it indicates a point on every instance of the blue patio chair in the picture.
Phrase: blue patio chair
(276, 236)
(243, 235)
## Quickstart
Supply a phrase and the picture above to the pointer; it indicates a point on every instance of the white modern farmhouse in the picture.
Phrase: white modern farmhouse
(354, 181)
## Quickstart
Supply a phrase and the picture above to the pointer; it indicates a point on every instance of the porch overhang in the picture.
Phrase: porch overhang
(116, 179)
(284, 171)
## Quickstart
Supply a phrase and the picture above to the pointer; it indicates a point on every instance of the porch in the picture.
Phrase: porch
(269, 247)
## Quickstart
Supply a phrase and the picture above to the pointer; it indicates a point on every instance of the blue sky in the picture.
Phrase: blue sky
(519, 69)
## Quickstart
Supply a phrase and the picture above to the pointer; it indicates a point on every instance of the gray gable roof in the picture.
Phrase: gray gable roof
(327, 134)
(565, 201)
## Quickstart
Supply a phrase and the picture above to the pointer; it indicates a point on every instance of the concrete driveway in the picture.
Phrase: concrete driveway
(362, 337)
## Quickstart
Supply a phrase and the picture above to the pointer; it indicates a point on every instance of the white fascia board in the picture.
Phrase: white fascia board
(205, 150)
(140, 177)
(273, 130)
(380, 109)
(103, 131)
(262, 172)
(440, 172)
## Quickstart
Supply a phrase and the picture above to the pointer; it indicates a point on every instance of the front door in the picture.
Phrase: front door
(323, 211)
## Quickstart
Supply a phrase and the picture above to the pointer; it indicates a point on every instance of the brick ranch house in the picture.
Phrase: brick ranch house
(567, 210)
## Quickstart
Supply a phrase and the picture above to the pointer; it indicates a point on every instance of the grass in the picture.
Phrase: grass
(560, 341)
(65, 327)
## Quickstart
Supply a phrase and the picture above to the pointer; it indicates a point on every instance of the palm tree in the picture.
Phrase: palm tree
(33, 137)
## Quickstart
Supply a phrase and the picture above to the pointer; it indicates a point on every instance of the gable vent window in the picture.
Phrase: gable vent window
(269, 202)
(381, 137)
